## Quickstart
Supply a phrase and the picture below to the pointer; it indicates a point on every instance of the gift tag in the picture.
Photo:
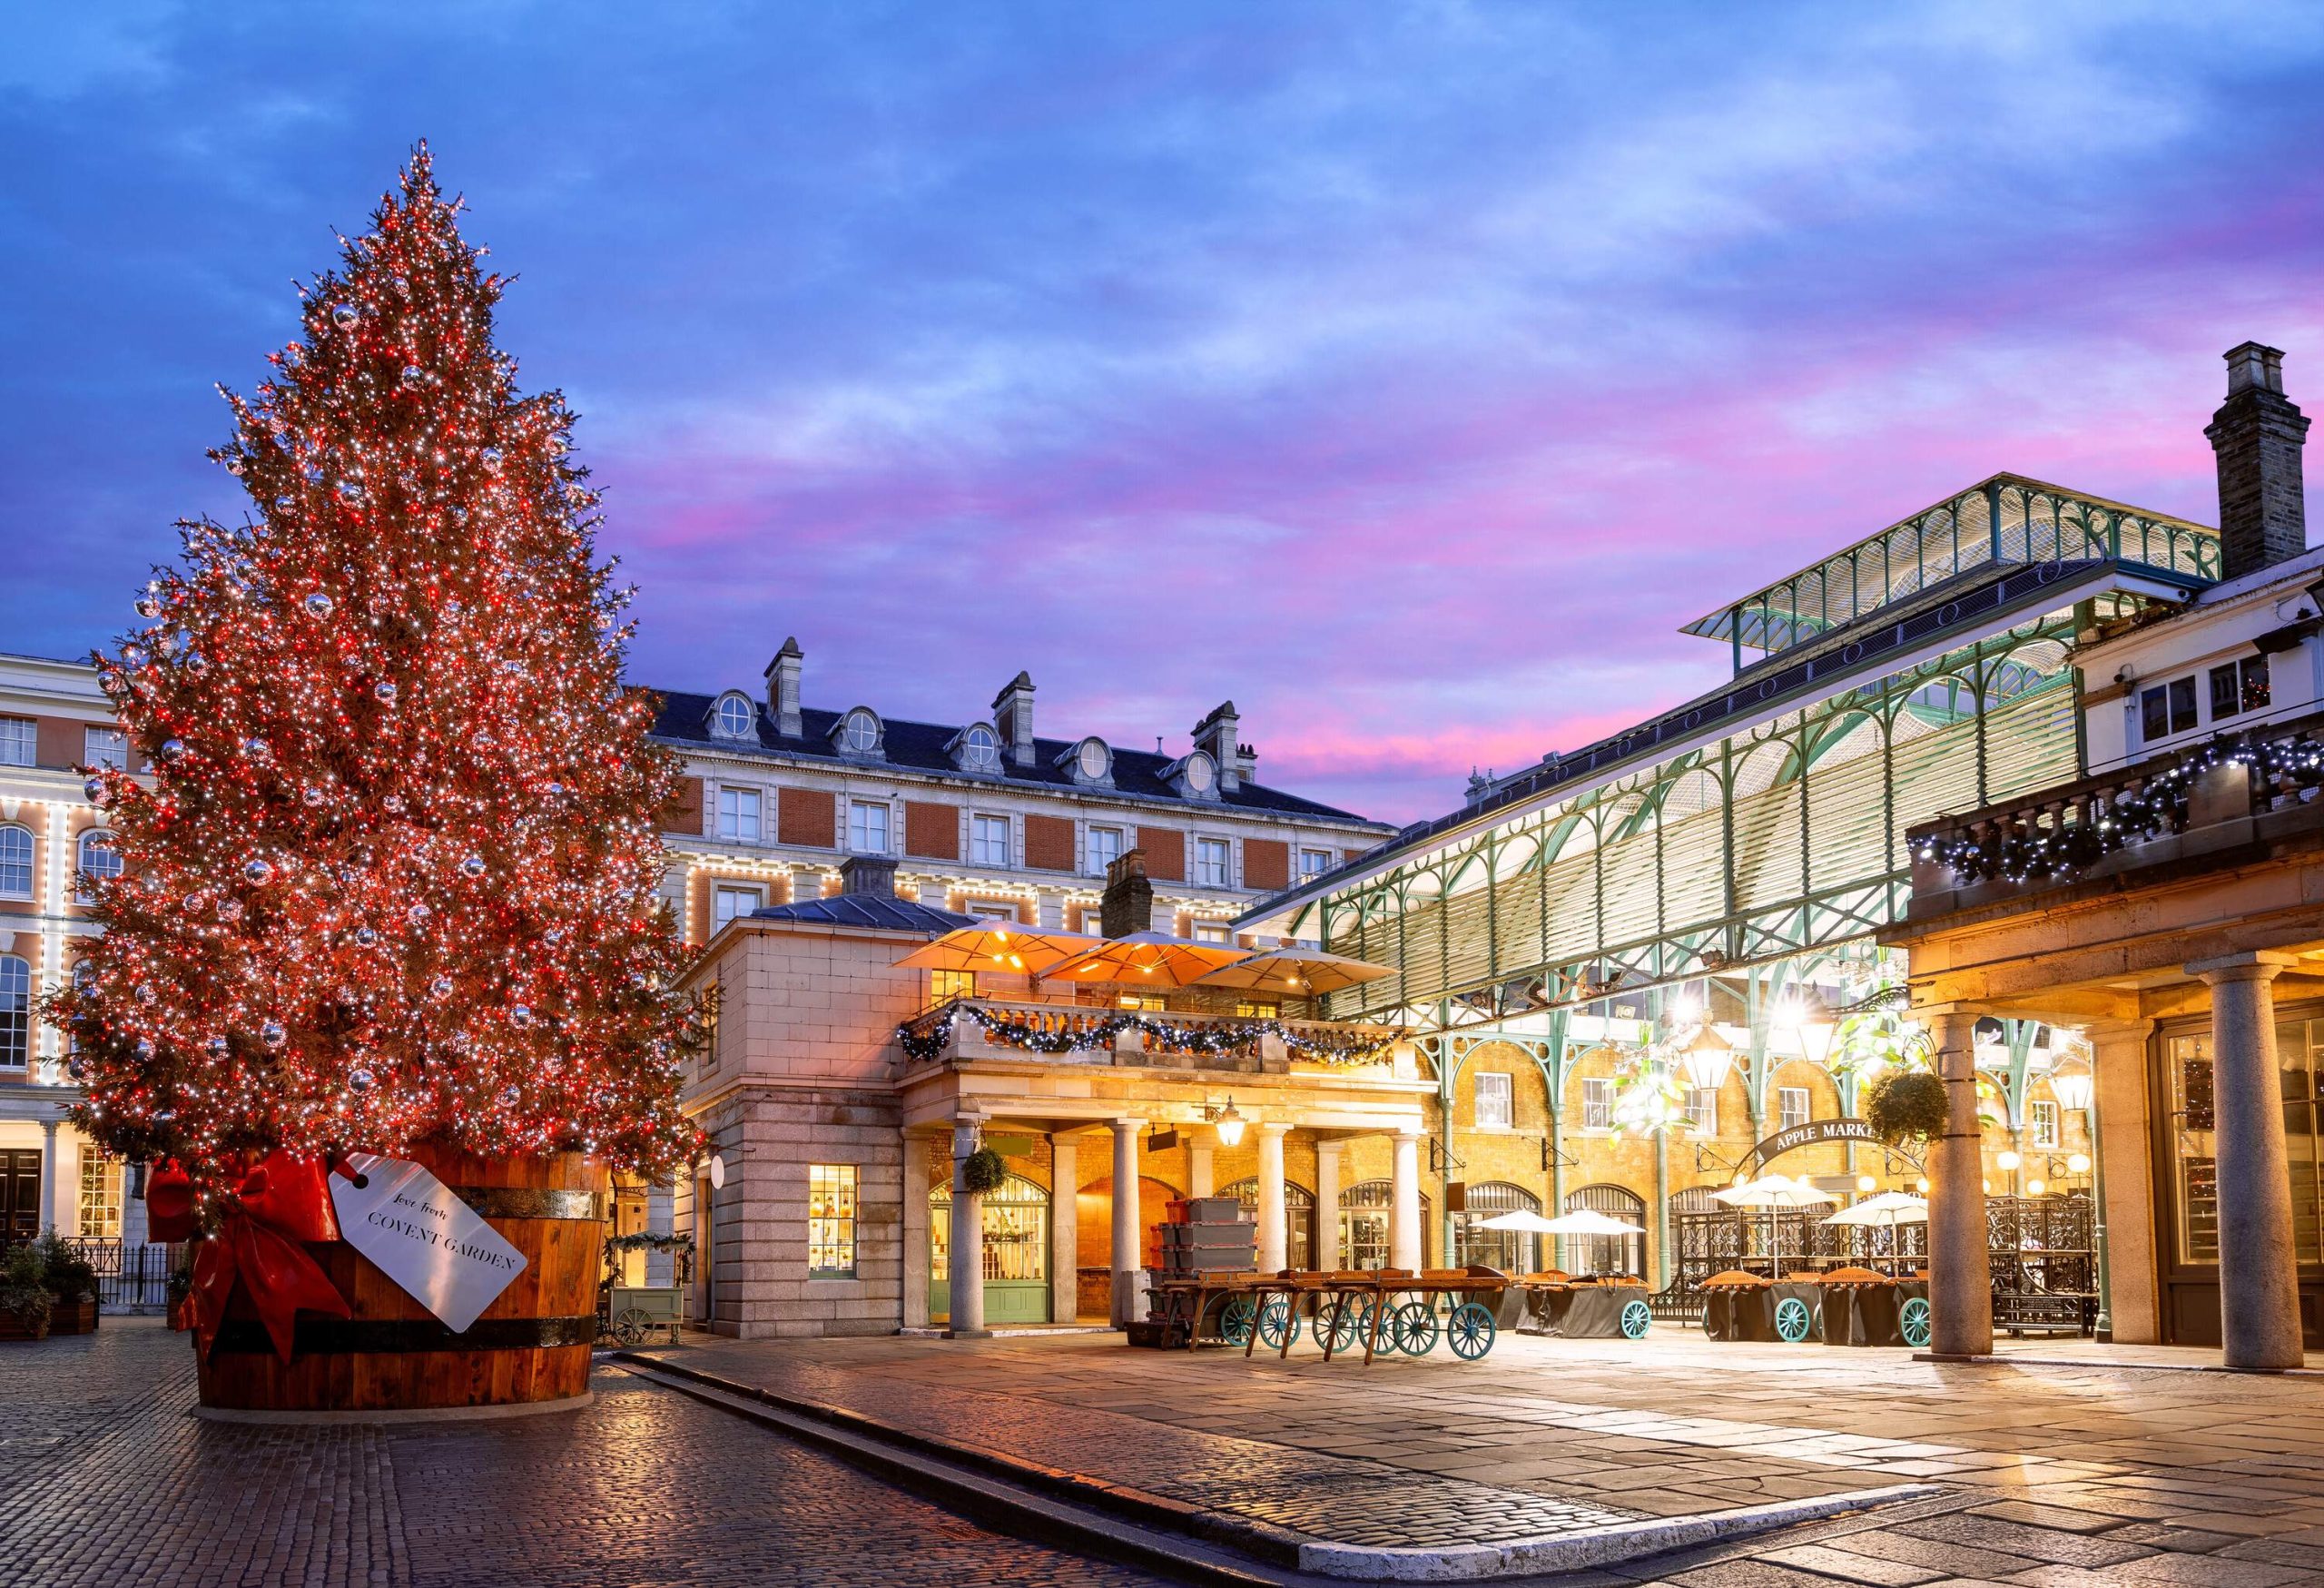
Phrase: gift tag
(429, 1241)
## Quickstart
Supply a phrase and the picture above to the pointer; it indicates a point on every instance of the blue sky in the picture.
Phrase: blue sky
(1408, 373)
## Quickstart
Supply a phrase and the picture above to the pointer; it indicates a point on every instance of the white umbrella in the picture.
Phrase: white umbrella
(1524, 1221)
(1889, 1207)
(1589, 1222)
(1771, 1192)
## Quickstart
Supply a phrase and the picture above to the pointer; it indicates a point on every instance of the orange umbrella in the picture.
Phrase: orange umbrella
(1147, 959)
(1302, 972)
(998, 946)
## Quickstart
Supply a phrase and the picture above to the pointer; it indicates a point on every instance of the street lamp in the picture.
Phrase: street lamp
(1228, 1121)
(2074, 1089)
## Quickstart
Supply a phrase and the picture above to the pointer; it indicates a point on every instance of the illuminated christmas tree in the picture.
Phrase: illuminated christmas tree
(396, 879)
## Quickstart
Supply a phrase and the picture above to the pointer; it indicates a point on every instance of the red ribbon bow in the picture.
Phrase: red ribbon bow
(284, 1200)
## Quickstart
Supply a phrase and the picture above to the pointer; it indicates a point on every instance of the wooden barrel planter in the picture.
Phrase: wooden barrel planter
(529, 1348)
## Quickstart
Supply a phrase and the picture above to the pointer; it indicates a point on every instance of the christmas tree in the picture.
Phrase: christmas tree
(395, 877)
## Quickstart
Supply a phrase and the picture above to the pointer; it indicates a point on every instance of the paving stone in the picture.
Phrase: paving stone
(1954, 1559)
(1748, 1574)
(1849, 1567)
(2163, 1535)
(2039, 1544)
(2037, 1515)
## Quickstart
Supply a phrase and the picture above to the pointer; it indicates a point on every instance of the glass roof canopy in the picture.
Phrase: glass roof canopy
(2008, 518)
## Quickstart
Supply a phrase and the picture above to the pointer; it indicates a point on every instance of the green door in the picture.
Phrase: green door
(1015, 1254)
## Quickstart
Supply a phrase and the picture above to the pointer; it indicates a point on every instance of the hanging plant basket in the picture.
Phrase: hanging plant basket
(1907, 1106)
(984, 1172)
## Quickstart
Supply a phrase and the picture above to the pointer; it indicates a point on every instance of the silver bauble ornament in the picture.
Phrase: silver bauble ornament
(365, 937)
(360, 1079)
(319, 605)
(418, 914)
(345, 316)
(472, 866)
(384, 691)
(257, 874)
(520, 1015)
(272, 1034)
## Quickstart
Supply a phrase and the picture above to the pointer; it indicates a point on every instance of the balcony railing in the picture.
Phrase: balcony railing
(2226, 793)
(1085, 1034)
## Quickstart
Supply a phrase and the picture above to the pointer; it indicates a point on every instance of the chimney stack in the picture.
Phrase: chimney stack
(1127, 903)
(782, 690)
(2257, 433)
(1215, 737)
(868, 873)
(1012, 718)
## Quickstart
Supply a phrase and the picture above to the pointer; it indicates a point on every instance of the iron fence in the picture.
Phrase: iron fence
(131, 1279)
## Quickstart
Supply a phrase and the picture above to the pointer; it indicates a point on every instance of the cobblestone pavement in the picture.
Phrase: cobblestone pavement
(105, 1480)
(2060, 1476)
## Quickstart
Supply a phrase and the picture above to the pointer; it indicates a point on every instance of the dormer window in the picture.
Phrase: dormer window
(858, 733)
(734, 717)
(1193, 777)
(976, 748)
(1089, 762)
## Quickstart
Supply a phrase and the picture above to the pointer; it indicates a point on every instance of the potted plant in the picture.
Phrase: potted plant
(71, 1281)
(25, 1299)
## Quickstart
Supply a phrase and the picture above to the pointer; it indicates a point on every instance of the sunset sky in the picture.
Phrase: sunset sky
(1408, 373)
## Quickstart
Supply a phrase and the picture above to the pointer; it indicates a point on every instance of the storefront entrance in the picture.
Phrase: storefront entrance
(20, 1211)
(2187, 1171)
(1016, 1253)
(1364, 1223)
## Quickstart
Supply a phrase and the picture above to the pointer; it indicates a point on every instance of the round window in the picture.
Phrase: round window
(981, 747)
(1198, 772)
(862, 731)
(735, 717)
(1094, 758)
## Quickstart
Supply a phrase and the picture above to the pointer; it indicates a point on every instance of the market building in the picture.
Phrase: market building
(1664, 949)
(2168, 905)
(53, 720)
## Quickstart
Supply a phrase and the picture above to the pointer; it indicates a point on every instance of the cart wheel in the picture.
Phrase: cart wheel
(631, 1324)
(1469, 1331)
(1636, 1318)
(1414, 1328)
(1234, 1316)
(1706, 1317)
(1912, 1321)
(1792, 1319)
(1348, 1326)
(1278, 1325)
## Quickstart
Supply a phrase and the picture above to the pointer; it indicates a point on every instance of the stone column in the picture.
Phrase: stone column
(1202, 1181)
(1403, 1202)
(2130, 1307)
(914, 1228)
(660, 1266)
(967, 1259)
(1960, 1257)
(49, 1177)
(1065, 1229)
(1130, 1255)
(1273, 1239)
(2258, 1284)
(1327, 1205)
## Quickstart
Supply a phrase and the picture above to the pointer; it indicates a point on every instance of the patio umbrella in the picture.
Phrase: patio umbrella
(1587, 1222)
(1885, 1211)
(1525, 1221)
(1771, 1192)
(998, 946)
(1147, 959)
(1302, 972)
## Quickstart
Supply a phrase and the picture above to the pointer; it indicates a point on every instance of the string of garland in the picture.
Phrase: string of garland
(1238, 1039)
(2156, 808)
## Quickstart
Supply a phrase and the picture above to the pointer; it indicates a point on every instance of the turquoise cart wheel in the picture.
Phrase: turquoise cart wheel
(1913, 1320)
(1636, 1318)
(1414, 1328)
(1346, 1326)
(1469, 1331)
(1235, 1320)
(1278, 1325)
(1792, 1319)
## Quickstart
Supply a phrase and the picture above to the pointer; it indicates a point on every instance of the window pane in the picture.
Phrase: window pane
(19, 741)
(16, 863)
(2227, 691)
(105, 747)
(1314, 862)
(100, 1202)
(1597, 1105)
(1702, 1108)
(1794, 1102)
(726, 903)
(2255, 684)
(15, 1009)
(988, 840)
(1493, 1099)
(943, 986)
(830, 1220)
(867, 829)
(2182, 705)
(2154, 714)
(1104, 847)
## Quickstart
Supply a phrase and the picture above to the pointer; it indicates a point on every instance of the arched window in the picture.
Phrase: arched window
(1607, 1254)
(99, 860)
(860, 732)
(1298, 1216)
(737, 718)
(1509, 1250)
(15, 1011)
(1016, 1251)
(16, 863)
(1364, 1222)
(979, 749)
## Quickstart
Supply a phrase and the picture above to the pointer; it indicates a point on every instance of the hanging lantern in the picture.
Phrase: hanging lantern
(2073, 1088)
(1229, 1122)
(1706, 1059)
